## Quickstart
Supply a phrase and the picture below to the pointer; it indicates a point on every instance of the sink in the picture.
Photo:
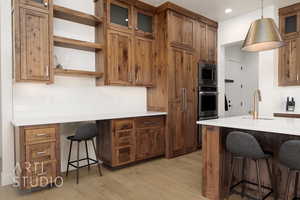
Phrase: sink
(260, 118)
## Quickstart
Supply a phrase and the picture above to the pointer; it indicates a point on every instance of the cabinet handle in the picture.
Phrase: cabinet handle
(182, 99)
(129, 76)
(46, 4)
(185, 100)
(136, 28)
(297, 77)
(41, 152)
(41, 134)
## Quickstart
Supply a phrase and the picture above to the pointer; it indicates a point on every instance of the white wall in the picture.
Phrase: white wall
(242, 67)
(68, 96)
(235, 30)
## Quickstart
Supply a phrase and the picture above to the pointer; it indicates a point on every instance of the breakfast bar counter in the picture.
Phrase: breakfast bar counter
(270, 133)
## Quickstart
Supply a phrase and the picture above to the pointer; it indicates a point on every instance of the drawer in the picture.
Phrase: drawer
(124, 155)
(124, 138)
(40, 152)
(41, 175)
(149, 122)
(39, 135)
(119, 125)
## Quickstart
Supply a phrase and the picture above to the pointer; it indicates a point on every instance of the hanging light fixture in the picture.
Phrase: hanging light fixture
(263, 35)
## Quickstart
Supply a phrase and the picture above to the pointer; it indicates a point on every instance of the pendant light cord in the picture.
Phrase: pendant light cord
(262, 9)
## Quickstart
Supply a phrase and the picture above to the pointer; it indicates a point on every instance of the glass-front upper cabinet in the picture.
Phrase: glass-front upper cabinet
(144, 23)
(43, 4)
(119, 15)
(290, 25)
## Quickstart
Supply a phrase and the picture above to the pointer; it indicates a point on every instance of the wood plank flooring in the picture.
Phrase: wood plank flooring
(159, 179)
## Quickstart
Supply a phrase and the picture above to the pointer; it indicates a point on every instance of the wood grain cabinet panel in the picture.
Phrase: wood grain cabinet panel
(212, 44)
(200, 44)
(181, 30)
(35, 46)
(119, 58)
(144, 62)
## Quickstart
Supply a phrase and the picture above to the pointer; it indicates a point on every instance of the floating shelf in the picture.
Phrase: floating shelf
(76, 44)
(76, 16)
(80, 73)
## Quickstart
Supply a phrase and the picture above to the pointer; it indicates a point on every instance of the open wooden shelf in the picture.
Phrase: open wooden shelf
(76, 44)
(76, 16)
(78, 73)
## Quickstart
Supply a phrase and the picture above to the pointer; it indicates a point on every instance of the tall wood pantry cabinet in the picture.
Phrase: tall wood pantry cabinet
(183, 40)
(289, 55)
(32, 21)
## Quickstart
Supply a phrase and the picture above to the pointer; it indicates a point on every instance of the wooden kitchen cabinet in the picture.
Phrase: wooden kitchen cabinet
(180, 29)
(289, 55)
(38, 155)
(119, 58)
(143, 61)
(200, 44)
(119, 15)
(125, 141)
(33, 43)
(144, 23)
(183, 105)
(289, 63)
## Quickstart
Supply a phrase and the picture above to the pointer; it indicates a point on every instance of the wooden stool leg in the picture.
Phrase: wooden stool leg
(272, 179)
(243, 176)
(77, 175)
(87, 155)
(231, 176)
(288, 185)
(98, 163)
(296, 185)
(258, 179)
(69, 157)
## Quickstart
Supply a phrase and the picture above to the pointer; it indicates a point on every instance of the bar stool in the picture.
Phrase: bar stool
(244, 146)
(84, 133)
(289, 157)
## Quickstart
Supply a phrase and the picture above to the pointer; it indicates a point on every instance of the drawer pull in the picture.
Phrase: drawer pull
(42, 174)
(41, 152)
(41, 134)
(150, 123)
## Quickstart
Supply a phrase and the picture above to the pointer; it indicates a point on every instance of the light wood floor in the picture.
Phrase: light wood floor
(159, 179)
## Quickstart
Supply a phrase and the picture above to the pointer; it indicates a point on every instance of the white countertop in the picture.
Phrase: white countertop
(289, 126)
(30, 121)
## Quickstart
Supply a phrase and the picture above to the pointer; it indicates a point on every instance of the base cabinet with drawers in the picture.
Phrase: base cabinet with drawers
(37, 155)
(124, 141)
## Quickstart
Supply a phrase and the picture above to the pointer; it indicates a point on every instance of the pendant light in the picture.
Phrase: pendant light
(263, 35)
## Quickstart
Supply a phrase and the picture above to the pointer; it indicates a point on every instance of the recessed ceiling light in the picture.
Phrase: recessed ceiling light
(228, 10)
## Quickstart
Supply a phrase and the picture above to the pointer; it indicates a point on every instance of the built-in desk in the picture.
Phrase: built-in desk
(123, 138)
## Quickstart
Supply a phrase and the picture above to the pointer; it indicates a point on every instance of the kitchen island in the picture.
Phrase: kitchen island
(270, 133)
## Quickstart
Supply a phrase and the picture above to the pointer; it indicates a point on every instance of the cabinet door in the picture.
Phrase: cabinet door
(190, 103)
(119, 58)
(144, 143)
(119, 15)
(144, 61)
(43, 4)
(35, 46)
(289, 59)
(201, 42)
(289, 25)
(212, 44)
(159, 142)
(180, 30)
(144, 23)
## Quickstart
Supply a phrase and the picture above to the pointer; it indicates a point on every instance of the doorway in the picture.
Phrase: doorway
(241, 80)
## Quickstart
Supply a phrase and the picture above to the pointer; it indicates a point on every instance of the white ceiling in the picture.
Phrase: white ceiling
(215, 9)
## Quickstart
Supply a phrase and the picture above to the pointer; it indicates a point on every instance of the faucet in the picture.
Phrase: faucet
(256, 98)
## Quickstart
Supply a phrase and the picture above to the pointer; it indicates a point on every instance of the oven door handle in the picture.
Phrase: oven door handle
(209, 92)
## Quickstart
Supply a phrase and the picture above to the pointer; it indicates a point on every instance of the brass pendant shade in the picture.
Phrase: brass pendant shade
(263, 35)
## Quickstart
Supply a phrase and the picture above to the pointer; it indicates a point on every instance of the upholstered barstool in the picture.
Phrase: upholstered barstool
(243, 146)
(84, 133)
(289, 156)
